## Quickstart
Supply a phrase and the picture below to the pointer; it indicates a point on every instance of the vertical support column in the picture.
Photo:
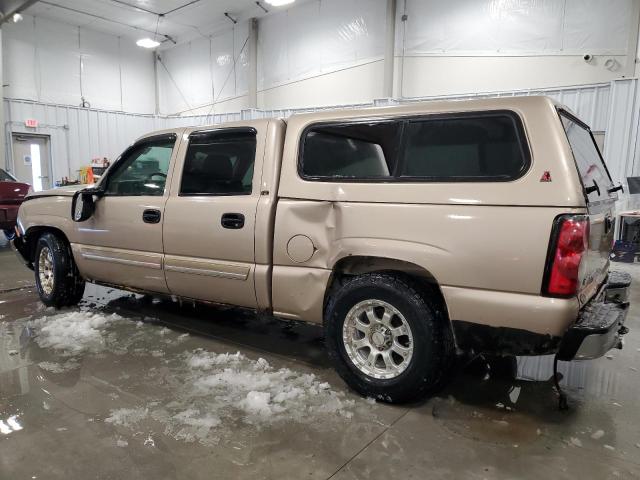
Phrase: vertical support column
(252, 71)
(389, 49)
(3, 142)
(633, 67)
(156, 82)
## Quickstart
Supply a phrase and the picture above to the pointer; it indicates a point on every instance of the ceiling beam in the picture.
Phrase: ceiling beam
(8, 8)
(161, 14)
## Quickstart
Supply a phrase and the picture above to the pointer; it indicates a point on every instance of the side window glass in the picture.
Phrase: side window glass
(591, 167)
(486, 147)
(219, 163)
(143, 171)
(357, 151)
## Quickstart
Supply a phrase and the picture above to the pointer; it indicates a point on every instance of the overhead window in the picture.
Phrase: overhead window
(219, 163)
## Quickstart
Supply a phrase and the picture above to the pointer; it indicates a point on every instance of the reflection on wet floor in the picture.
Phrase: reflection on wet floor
(163, 377)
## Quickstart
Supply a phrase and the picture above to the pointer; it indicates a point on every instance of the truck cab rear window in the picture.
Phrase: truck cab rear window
(219, 163)
(469, 147)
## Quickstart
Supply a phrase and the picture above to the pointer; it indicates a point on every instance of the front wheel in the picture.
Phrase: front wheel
(58, 281)
(387, 340)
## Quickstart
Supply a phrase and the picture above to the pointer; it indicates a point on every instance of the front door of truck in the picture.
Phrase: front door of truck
(210, 218)
(121, 244)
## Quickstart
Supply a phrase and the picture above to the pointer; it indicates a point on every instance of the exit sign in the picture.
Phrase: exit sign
(31, 123)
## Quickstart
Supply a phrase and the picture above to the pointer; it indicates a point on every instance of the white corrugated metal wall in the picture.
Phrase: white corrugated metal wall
(80, 134)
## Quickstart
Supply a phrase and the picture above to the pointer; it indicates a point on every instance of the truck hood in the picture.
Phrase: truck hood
(67, 191)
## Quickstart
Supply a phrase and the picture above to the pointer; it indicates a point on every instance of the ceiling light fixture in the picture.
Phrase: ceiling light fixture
(16, 18)
(147, 43)
(279, 3)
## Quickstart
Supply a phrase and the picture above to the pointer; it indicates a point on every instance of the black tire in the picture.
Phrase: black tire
(432, 342)
(68, 286)
(9, 234)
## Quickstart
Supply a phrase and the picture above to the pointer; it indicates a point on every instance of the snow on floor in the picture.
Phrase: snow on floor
(200, 396)
(219, 390)
(55, 367)
(73, 332)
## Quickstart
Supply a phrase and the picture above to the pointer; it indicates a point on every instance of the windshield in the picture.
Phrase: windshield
(593, 172)
(6, 176)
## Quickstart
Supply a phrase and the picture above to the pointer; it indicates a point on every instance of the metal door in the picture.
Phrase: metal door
(31, 160)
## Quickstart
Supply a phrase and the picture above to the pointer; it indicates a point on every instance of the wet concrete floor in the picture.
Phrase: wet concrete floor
(150, 393)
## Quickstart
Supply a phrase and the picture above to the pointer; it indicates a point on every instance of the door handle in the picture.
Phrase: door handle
(151, 215)
(233, 221)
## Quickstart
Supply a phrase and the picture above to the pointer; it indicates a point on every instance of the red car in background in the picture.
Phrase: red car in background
(12, 193)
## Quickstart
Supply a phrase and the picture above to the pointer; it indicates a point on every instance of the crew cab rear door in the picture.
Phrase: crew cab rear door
(600, 195)
(210, 216)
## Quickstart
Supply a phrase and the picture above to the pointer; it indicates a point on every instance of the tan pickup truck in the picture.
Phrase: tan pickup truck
(411, 233)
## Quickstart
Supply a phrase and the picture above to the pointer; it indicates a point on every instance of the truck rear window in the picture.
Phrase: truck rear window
(591, 167)
(480, 146)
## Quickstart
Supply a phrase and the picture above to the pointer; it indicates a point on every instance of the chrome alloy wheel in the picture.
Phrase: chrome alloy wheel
(377, 339)
(45, 270)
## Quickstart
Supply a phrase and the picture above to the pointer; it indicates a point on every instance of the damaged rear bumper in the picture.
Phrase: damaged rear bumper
(600, 323)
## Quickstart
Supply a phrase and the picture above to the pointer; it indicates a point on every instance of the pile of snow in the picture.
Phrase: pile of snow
(55, 367)
(219, 393)
(73, 332)
(264, 394)
(127, 417)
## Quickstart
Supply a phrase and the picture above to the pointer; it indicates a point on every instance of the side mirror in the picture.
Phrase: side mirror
(83, 204)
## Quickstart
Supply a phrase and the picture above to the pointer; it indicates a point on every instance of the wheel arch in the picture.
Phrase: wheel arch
(31, 237)
(424, 281)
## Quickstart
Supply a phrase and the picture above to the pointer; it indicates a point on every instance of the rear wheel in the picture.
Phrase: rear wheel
(9, 234)
(387, 340)
(58, 281)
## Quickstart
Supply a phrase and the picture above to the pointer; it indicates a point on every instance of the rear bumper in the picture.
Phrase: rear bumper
(600, 323)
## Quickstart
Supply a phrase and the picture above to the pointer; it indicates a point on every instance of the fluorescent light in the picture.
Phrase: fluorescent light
(147, 43)
(16, 18)
(279, 3)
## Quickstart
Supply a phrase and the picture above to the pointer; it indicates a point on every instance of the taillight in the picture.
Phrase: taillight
(570, 242)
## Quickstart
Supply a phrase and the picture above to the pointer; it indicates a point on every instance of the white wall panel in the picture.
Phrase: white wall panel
(42, 62)
(435, 27)
(222, 58)
(598, 27)
(448, 75)
(204, 69)
(57, 70)
(19, 59)
(138, 85)
(174, 78)
(319, 37)
(563, 27)
(100, 68)
(241, 56)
